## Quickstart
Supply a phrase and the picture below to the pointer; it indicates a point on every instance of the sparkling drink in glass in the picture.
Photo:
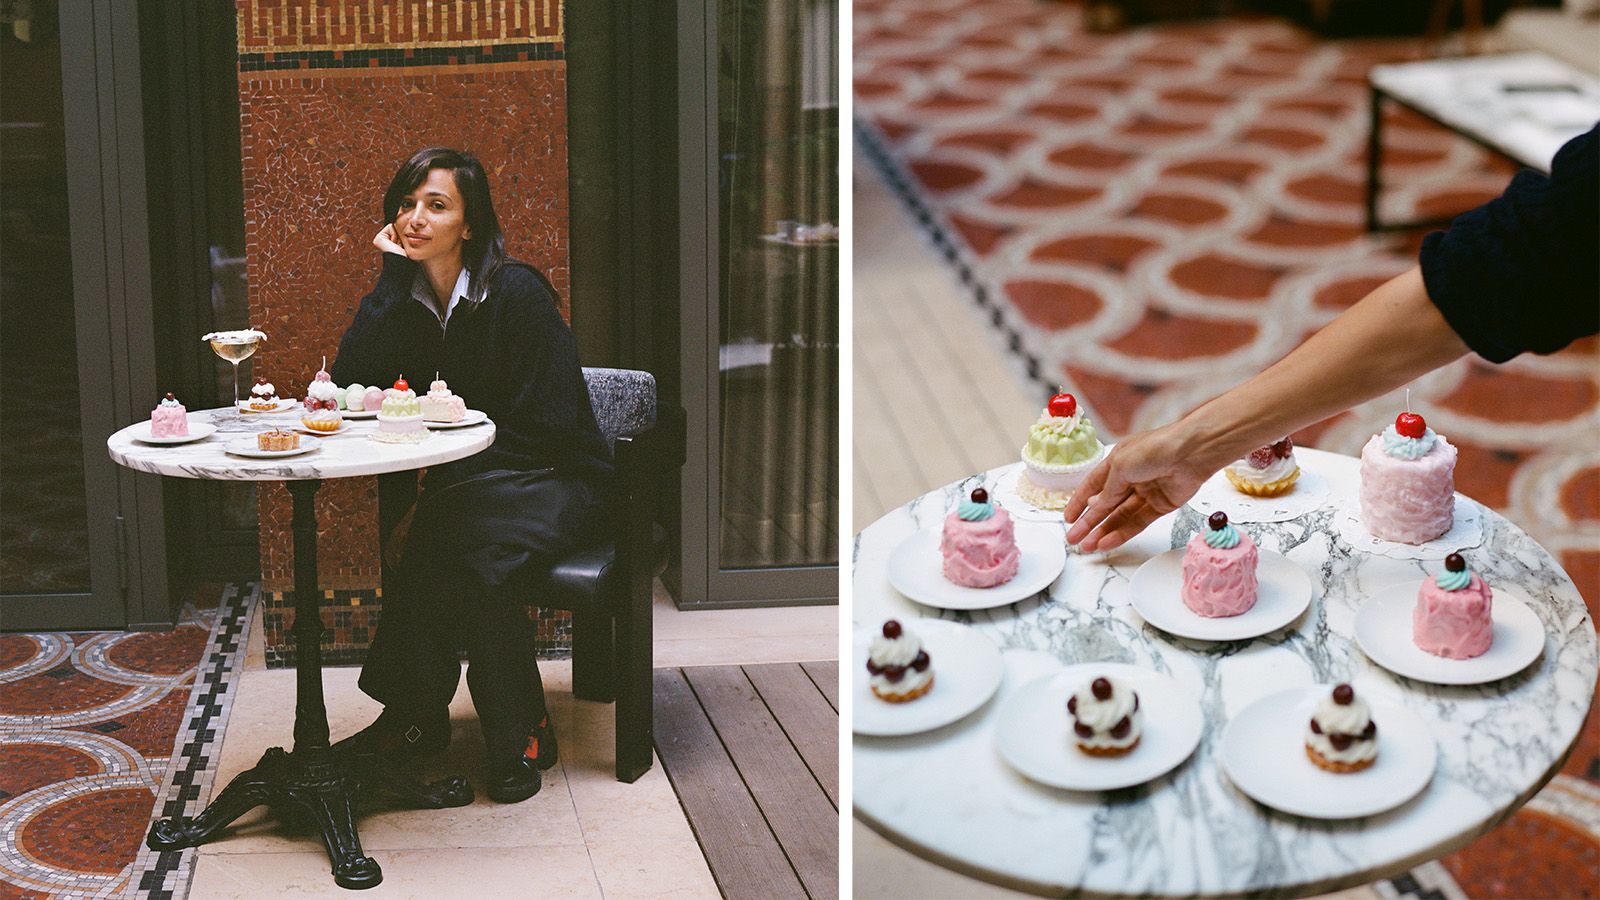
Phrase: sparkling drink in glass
(235, 347)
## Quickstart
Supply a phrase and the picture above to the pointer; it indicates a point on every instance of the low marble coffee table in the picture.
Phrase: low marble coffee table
(313, 781)
(949, 796)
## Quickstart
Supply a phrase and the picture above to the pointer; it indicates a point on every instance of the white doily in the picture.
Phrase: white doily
(1004, 492)
(1466, 532)
(1311, 492)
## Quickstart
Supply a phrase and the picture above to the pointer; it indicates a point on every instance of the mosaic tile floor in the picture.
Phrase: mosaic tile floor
(1151, 216)
(99, 733)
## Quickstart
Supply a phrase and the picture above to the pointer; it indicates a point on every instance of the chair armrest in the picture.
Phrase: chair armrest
(643, 461)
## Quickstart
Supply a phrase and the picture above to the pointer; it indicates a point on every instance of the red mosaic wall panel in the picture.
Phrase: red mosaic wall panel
(320, 139)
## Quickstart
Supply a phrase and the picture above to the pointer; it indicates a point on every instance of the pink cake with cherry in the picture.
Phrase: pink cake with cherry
(1219, 570)
(169, 419)
(979, 545)
(1452, 616)
(1408, 482)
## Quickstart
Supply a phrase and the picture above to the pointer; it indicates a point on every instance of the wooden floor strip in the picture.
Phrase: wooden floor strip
(805, 716)
(740, 847)
(825, 675)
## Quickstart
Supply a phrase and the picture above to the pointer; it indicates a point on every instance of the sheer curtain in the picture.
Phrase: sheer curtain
(778, 140)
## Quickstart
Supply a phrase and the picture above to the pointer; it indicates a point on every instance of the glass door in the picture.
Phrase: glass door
(760, 268)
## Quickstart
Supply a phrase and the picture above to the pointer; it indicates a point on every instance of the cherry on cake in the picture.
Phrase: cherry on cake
(169, 419)
(1408, 482)
(322, 404)
(899, 669)
(1105, 717)
(1219, 570)
(1453, 615)
(979, 544)
(1062, 447)
(440, 405)
(1267, 472)
(263, 396)
(400, 416)
(1342, 736)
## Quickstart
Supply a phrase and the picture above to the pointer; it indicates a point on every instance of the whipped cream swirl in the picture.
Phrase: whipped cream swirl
(1224, 538)
(1102, 716)
(1348, 720)
(1453, 581)
(1401, 447)
(899, 652)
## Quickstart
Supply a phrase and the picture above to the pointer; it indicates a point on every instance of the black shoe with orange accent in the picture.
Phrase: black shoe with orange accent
(542, 744)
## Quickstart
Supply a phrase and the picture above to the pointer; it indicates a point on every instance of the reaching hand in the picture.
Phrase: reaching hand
(1145, 477)
(385, 240)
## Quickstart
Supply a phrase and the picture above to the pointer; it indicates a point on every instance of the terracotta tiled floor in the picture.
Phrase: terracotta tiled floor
(1151, 217)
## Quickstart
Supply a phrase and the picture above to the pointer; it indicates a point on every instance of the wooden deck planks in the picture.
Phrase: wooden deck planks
(825, 675)
(743, 854)
(805, 716)
(753, 755)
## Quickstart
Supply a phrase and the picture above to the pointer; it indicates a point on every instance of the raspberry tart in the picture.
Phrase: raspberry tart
(1268, 472)
(322, 404)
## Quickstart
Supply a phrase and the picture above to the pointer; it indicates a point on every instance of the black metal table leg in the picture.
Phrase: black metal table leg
(313, 781)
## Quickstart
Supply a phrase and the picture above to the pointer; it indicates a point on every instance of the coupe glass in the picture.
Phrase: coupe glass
(235, 347)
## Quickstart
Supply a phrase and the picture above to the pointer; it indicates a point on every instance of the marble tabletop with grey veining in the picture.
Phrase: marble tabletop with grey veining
(948, 795)
(350, 452)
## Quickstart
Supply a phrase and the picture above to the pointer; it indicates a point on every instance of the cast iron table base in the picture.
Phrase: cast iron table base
(312, 782)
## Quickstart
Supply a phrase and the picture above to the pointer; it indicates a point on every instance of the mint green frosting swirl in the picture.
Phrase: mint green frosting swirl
(1401, 447)
(974, 512)
(1453, 581)
(1224, 538)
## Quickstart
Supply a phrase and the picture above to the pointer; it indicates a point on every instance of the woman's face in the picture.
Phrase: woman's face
(432, 221)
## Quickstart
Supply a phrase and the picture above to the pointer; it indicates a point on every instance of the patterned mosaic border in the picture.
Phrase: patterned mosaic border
(409, 57)
(186, 786)
(291, 25)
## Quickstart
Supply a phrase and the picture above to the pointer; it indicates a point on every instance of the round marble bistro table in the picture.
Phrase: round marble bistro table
(948, 795)
(311, 779)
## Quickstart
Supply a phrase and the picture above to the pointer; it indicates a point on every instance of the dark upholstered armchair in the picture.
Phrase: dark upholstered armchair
(608, 586)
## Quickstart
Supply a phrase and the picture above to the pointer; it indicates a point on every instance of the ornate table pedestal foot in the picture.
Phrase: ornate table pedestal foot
(319, 786)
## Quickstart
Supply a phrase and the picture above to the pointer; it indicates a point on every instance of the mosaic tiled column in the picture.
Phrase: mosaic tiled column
(333, 96)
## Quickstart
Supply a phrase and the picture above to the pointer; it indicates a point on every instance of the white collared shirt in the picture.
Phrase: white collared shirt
(422, 292)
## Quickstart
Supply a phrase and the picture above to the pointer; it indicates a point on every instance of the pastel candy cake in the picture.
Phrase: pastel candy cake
(169, 418)
(400, 416)
(1219, 570)
(979, 544)
(1062, 447)
(899, 669)
(1105, 717)
(1453, 615)
(1408, 482)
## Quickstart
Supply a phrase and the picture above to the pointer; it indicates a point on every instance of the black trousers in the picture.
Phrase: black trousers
(470, 545)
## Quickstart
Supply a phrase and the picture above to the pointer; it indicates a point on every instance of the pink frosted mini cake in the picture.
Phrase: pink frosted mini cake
(979, 545)
(440, 405)
(1452, 615)
(169, 419)
(1408, 482)
(1219, 570)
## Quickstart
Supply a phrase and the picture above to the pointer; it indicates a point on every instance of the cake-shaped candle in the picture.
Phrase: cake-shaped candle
(1268, 472)
(354, 398)
(322, 403)
(1219, 570)
(442, 406)
(1342, 736)
(899, 668)
(169, 419)
(1408, 482)
(979, 545)
(1105, 717)
(372, 400)
(1452, 617)
(263, 396)
(1062, 447)
(400, 416)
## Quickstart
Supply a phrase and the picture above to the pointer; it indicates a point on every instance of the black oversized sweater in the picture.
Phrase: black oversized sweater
(1522, 272)
(511, 356)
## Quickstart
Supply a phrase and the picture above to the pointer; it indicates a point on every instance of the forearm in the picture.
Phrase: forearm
(1392, 336)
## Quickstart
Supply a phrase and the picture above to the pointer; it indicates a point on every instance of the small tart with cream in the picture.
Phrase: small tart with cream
(898, 666)
(1267, 472)
(263, 396)
(1342, 736)
(1105, 717)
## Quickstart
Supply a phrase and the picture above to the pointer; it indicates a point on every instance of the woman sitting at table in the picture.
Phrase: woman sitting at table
(449, 301)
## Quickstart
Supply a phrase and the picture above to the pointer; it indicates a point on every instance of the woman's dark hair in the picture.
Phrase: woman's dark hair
(485, 251)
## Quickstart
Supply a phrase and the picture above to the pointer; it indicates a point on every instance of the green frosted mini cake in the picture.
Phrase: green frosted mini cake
(1062, 447)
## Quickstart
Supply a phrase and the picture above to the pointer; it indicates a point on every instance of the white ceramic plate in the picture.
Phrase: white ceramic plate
(1034, 733)
(359, 413)
(473, 417)
(966, 671)
(248, 447)
(197, 431)
(1283, 593)
(1383, 629)
(1263, 752)
(305, 429)
(284, 405)
(917, 570)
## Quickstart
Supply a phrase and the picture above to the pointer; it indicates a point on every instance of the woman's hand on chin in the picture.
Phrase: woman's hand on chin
(386, 242)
